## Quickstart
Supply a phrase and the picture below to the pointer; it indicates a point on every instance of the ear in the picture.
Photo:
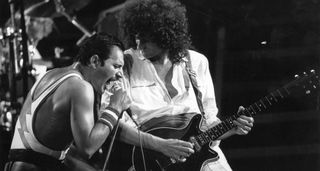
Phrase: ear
(95, 61)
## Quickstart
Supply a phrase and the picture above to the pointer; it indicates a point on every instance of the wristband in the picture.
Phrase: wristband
(109, 117)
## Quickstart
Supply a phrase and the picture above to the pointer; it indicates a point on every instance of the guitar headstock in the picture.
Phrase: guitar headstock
(307, 82)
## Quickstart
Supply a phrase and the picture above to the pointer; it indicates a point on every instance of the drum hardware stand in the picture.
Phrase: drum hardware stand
(10, 110)
(60, 9)
(13, 52)
(12, 35)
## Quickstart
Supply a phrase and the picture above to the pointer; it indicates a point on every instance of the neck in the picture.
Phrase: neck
(84, 70)
(88, 75)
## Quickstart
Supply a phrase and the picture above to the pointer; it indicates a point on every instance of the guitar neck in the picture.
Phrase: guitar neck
(301, 84)
(259, 106)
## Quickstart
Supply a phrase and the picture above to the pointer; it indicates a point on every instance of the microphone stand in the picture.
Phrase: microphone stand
(114, 133)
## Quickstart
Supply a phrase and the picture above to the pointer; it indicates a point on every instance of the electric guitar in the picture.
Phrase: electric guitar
(186, 127)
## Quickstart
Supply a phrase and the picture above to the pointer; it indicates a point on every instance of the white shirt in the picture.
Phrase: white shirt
(150, 95)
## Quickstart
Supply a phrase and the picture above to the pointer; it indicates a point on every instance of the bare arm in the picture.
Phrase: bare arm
(89, 136)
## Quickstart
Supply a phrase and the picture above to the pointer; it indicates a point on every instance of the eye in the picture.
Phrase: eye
(116, 66)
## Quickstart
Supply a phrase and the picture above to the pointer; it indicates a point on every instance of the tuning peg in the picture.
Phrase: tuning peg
(308, 92)
(296, 76)
(305, 74)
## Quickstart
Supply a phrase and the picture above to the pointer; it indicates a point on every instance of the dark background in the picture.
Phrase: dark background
(254, 47)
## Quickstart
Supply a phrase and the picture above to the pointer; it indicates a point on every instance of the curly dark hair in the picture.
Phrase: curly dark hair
(98, 44)
(164, 22)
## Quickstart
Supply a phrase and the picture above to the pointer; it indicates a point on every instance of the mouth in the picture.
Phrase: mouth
(110, 84)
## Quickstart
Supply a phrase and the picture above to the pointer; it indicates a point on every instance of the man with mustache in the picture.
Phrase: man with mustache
(61, 108)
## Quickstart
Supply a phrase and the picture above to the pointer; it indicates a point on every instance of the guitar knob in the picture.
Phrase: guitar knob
(308, 92)
(173, 160)
(195, 143)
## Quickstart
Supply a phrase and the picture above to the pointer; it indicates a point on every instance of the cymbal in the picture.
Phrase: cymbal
(47, 8)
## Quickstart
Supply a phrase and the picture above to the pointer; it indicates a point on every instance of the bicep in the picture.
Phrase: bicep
(82, 118)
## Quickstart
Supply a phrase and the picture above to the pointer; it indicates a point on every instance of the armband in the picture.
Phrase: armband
(109, 117)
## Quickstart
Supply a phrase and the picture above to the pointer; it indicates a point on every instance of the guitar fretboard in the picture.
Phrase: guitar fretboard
(306, 83)
(259, 106)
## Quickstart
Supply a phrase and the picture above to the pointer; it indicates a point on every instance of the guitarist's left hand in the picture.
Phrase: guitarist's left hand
(243, 123)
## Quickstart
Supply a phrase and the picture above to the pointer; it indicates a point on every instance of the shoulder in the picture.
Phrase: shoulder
(197, 59)
(73, 86)
(77, 91)
(78, 86)
(134, 61)
(133, 54)
(74, 82)
(53, 79)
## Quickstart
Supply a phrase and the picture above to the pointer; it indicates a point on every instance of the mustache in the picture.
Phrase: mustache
(116, 77)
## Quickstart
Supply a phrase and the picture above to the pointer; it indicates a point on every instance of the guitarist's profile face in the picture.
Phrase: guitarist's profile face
(149, 49)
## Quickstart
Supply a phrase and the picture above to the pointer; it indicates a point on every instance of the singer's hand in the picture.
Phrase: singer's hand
(120, 100)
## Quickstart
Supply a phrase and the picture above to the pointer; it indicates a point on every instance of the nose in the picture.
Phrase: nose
(119, 75)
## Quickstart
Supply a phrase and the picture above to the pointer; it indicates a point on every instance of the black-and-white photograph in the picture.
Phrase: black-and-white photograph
(159, 85)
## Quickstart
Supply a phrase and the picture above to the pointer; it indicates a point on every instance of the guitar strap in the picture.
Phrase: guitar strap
(193, 78)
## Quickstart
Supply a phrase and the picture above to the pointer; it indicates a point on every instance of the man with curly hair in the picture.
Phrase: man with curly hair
(162, 71)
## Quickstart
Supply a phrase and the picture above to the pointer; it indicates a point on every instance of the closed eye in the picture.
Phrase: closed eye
(117, 66)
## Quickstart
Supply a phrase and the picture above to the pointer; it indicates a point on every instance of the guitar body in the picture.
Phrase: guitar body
(176, 127)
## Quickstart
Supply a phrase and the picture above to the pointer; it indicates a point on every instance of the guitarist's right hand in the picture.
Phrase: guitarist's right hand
(176, 149)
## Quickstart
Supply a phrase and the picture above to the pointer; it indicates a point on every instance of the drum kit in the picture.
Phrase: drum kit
(17, 69)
